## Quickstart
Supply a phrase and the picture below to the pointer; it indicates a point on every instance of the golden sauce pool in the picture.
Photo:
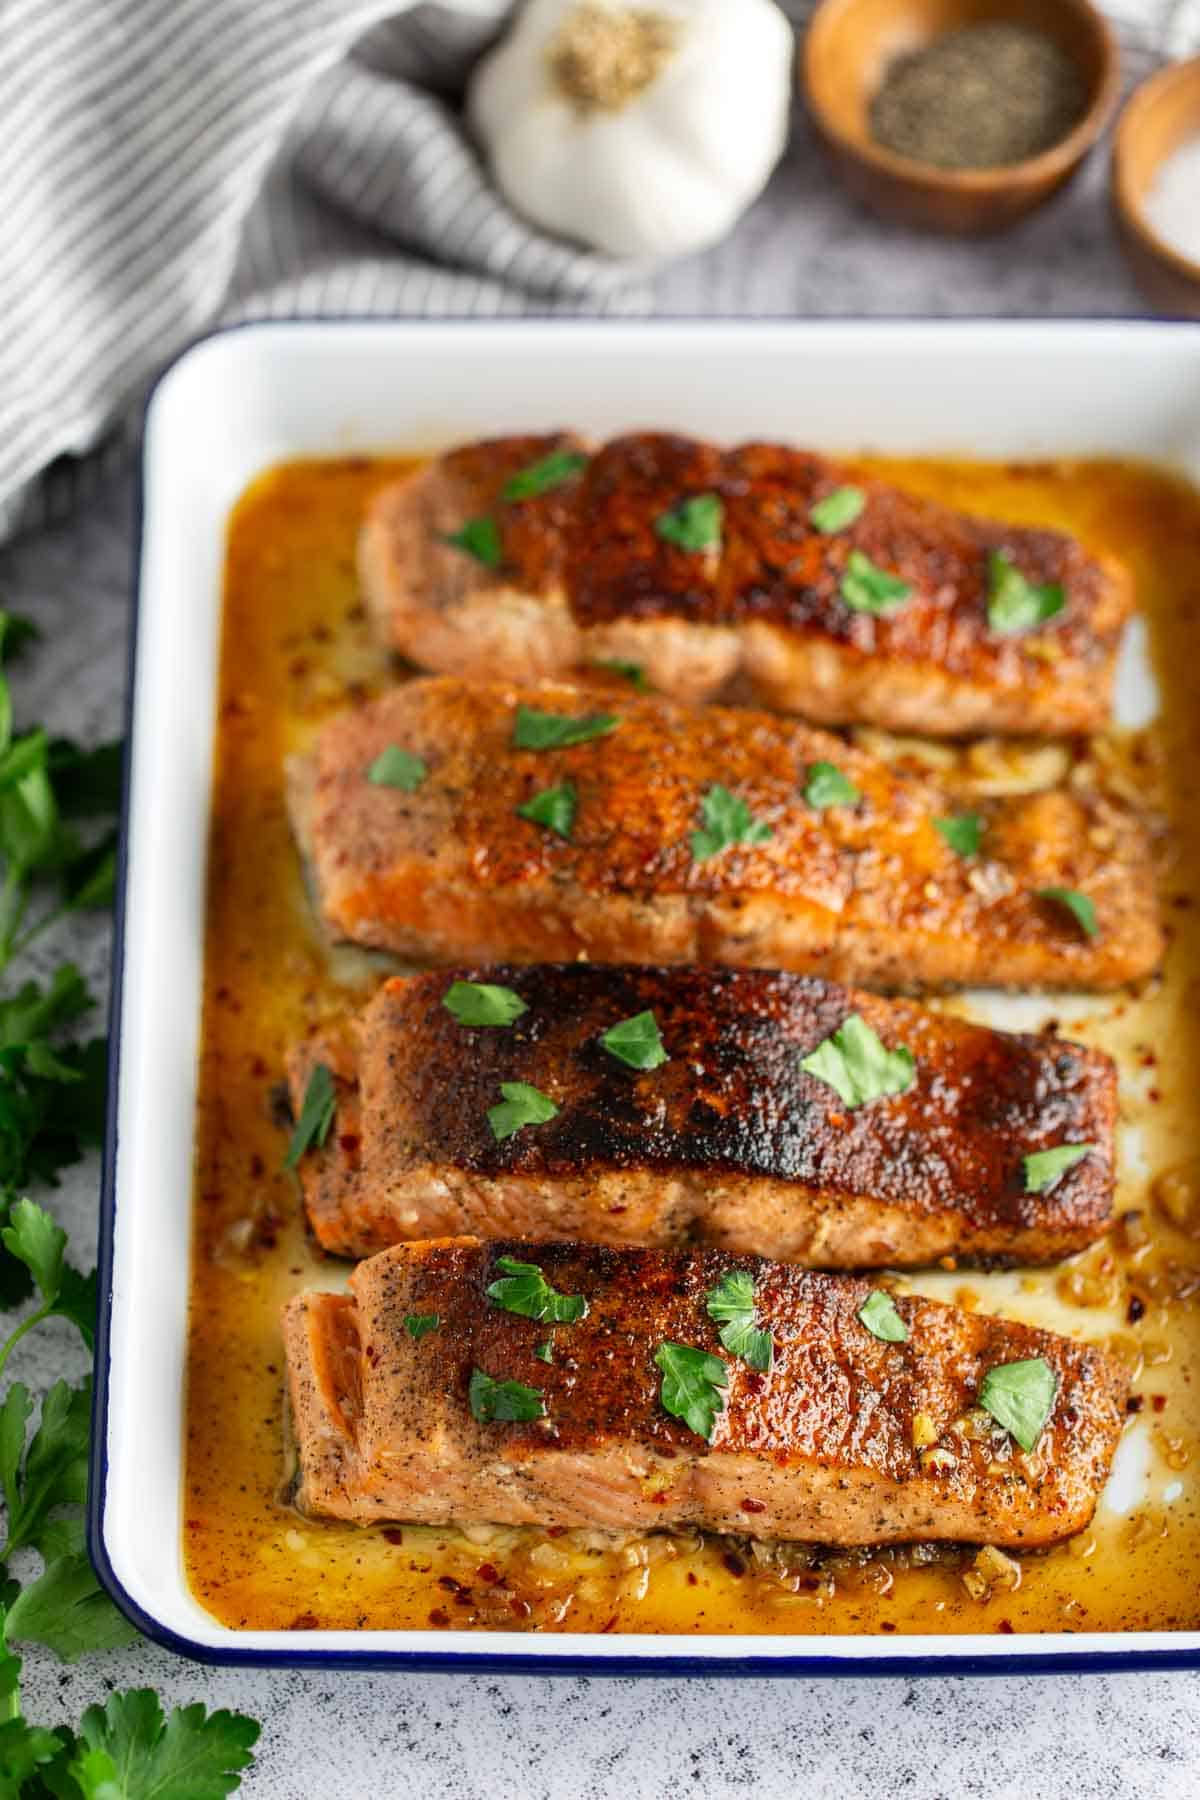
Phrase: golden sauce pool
(296, 647)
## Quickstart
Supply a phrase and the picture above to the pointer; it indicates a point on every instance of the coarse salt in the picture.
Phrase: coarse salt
(1173, 201)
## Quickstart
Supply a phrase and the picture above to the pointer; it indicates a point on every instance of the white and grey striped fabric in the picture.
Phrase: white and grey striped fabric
(165, 164)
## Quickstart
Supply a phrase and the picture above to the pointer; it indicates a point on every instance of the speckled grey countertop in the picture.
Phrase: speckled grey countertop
(344, 1737)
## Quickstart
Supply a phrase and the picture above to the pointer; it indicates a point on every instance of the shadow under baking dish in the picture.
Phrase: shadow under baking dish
(271, 1583)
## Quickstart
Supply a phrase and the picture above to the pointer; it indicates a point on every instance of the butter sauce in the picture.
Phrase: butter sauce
(297, 647)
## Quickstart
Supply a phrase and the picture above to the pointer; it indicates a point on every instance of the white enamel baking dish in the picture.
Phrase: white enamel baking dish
(228, 408)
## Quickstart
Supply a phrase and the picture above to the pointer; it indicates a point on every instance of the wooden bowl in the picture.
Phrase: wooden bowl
(845, 55)
(1161, 114)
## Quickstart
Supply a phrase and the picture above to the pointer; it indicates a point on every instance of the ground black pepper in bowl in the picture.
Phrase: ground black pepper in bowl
(979, 98)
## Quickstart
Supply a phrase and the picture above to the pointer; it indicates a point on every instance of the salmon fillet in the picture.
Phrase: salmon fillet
(730, 1142)
(865, 892)
(847, 1440)
(582, 573)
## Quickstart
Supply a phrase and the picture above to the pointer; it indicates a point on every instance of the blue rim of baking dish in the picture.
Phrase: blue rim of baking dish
(483, 1661)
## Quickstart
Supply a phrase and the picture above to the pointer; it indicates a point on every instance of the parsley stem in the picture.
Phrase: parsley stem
(12, 910)
(36, 929)
(14, 1338)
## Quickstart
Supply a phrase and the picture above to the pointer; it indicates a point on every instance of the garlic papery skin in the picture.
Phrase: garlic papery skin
(644, 130)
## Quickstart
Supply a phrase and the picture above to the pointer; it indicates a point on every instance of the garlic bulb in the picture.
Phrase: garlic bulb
(642, 130)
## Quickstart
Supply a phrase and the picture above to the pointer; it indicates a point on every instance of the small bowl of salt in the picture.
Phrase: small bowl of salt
(1156, 187)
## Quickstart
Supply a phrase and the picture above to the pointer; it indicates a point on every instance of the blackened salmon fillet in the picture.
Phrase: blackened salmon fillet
(420, 1396)
(663, 833)
(530, 556)
(729, 1141)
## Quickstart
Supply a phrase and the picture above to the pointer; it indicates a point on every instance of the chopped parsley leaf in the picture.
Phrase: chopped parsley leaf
(837, 510)
(693, 524)
(732, 1301)
(1020, 1396)
(542, 476)
(691, 1386)
(495, 1402)
(636, 1041)
(481, 1003)
(858, 1066)
(479, 538)
(727, 820)
(866, 588)
(878, 1313)
(1015, 604)
(554, 808)
(536, 730)
(524, 1289)
(316, 1116)
(1081, 908)
(396, 768)
(1043, 1167)
(522, 1105)
(827, 786)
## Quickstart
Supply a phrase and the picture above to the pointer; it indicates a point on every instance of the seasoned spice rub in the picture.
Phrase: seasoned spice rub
(730, 1141)
(702, 835)
(525, 557)
(847, 1439)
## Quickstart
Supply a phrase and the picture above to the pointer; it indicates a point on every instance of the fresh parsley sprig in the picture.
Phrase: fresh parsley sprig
(51, 1110)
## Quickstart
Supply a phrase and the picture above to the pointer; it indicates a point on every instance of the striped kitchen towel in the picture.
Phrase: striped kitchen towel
(166, 164)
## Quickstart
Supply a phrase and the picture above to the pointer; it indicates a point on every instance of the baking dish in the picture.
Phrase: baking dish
(241, 401)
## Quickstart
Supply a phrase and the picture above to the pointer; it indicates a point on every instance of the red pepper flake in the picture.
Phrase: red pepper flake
(348, 1143)
(1004, 1625)
(753, 1506)
(439, 1617)
(1136, 1309)
(488, 1572)
(1134, 1404)
(753, 1382)
(660, 1499)
(692, 1579)
(464, 1599)
(610, 1625)
(393, 1534)
(520, 1607)
(194, 1524)
(1153, 1095)
(304, 1622)
(886, 1625)
(556, 1531)
(733, 1563)
(1158, 1402)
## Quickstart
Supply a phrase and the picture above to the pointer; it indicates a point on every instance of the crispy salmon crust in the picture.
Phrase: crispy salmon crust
(584, 575)
(868, 892)
(824, 1448)
(729, 1143)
